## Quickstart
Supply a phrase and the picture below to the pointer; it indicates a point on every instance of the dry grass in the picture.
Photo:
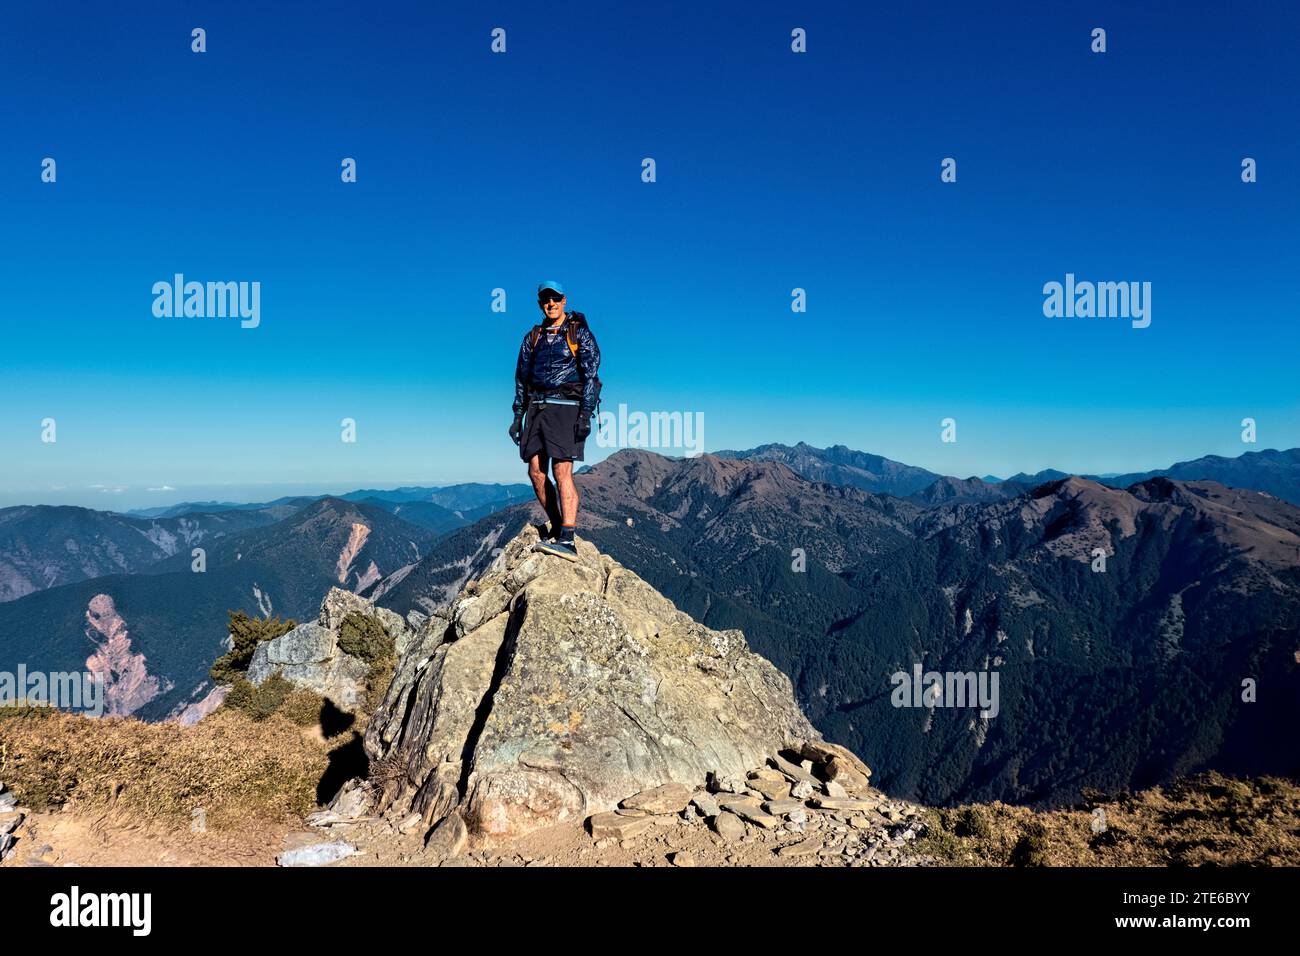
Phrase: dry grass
(229, 765)
(1208, 820)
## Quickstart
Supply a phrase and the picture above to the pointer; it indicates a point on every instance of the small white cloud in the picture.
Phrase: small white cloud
(161, 488)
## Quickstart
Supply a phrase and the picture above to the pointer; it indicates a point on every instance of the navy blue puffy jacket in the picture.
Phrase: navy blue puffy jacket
(550, 367)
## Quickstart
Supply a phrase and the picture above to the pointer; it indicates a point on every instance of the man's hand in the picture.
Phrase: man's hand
(583, 427)
(517, 429)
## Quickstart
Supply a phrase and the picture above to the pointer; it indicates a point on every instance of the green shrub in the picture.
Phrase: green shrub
(1031, 848)
(364, 637)
(245, 634)
(259, 702)
(971, 822)
(240, 695)
(269, 696)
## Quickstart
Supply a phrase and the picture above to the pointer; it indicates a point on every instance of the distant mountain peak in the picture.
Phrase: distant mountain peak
(840, 465)
(1072, 486)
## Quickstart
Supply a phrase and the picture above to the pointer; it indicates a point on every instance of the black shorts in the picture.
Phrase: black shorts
(548, 430)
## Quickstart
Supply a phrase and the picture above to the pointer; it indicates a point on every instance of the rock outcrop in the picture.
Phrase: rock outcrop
(309, 656)
(551, 690)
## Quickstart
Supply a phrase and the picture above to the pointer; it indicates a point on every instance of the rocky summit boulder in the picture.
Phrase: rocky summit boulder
(550, 690)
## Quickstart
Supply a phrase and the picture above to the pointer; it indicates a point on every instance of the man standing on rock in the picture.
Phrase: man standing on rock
(556, 384)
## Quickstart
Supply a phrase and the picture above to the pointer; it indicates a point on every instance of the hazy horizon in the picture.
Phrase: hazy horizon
(123, 498)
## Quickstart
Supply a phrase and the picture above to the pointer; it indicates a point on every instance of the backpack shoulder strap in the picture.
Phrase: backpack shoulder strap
(533, 336)
(571, 332)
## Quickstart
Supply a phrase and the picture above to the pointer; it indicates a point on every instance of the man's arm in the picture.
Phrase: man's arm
(588, 364)
(522, 366)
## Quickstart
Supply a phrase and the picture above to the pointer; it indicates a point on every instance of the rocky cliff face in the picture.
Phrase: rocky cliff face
(551, 690)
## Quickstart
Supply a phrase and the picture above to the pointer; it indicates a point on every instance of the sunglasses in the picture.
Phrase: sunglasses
(548, 299)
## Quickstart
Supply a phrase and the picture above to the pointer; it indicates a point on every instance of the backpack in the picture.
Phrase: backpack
(571, 337)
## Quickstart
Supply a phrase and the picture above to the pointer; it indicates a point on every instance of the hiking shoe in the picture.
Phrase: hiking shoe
(564, 549)
(544, 531)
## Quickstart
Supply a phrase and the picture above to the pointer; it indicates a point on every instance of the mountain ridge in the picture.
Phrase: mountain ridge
(722, 540)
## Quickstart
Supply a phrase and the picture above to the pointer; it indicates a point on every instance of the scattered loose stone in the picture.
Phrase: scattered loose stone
(617, 826)
(449, 837)
(728, 826)
(41, 856)
(833, 789)
(771, 789)
(794, 773)
(727, 800)
(802, 848)
(754, 815)
(781, 807)
(725, 784)
(705, 803)
(831, 803)
(682, 858)
(802, 790)
(352, 800)
(838, 764)
(669, 798)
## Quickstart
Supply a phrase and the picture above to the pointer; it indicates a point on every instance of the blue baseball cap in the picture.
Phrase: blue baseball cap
(550, 284)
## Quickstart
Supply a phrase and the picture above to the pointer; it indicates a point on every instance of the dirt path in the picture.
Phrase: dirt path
(81, 839)
(63, 839)
(829, 839)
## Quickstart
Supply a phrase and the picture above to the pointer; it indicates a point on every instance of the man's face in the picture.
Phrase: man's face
(552, 304)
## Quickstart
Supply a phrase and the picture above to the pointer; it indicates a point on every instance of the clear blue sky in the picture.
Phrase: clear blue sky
(775, 170)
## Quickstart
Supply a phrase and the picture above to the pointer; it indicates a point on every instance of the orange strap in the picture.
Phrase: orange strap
(570, 336)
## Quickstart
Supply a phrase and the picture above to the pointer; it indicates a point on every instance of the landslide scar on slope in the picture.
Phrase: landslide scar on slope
(128, 685)
(356, 541)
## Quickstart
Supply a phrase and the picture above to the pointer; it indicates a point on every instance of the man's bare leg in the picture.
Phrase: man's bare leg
(568, 492)
(545, 490)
